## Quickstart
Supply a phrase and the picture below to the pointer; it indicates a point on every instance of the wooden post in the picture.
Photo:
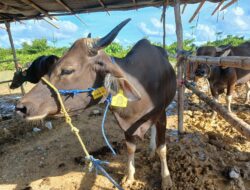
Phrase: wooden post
(7, 25)
(232, 119)
(179, 34)
(164, 24)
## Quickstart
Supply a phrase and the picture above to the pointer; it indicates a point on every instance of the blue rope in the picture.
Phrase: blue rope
(75, 91)
(98, 166)
(108, 102)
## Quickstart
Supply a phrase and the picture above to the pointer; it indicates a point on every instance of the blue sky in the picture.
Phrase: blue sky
(145, 23)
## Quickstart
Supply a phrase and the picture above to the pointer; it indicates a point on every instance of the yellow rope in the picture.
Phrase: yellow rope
(68, 118)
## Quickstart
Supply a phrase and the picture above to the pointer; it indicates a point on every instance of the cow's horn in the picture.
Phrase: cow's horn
(89, 35)
(106, 40)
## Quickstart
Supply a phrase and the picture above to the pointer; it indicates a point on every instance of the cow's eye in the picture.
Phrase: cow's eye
(67, 71)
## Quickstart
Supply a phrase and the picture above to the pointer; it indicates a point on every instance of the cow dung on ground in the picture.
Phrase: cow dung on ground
(205, 157)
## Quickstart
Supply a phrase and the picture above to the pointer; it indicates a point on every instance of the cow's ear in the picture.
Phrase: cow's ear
(113, 84)
(129, 90)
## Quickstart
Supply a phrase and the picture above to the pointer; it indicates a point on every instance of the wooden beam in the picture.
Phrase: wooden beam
(179, 34)
(218, 6)
(228, 4)
(39, 9)
(52, 24)
(197, 10)
(232, 119)
(228, 61)
(103, 6)
(7, 25)
(183, 8)
(67, 8)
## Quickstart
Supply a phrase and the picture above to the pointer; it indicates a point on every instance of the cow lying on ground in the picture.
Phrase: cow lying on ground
(35, 71)
(145, 76)
(224, 78)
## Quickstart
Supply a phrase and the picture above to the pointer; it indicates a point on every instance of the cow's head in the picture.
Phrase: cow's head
(84, 65)
(18, 78)
(203, 70)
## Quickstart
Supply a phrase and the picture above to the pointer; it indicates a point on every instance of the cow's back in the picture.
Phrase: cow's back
(149, 66)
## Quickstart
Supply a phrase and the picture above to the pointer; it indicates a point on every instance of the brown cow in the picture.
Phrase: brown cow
(220, 78)
(145, 76)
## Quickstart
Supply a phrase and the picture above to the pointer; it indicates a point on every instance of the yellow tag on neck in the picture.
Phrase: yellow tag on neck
(99, 92)
(119, 100)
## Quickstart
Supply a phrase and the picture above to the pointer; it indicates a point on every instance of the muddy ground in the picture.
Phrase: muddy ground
(52, 159)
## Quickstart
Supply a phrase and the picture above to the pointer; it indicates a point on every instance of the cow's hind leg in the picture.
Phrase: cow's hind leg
(248, 92)
(162, 151)
(152, 145)
(230, 89)
(131, 148)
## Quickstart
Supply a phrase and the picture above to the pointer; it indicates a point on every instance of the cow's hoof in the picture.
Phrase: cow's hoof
(166, 183)
(127, 183)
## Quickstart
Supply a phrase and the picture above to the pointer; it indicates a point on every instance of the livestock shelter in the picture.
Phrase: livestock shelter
(48, 10)
(17, 11)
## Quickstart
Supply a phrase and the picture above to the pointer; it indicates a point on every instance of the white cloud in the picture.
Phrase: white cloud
(241, 23)
(156, 22)
(205, 32)
(148, 31)
(31, 30)
(238, 11)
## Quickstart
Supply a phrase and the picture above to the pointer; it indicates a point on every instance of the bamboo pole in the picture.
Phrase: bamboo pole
(218, 6)
(228, 61)
(179, 34)
(197, 10)
(7, 25)
(232, 119)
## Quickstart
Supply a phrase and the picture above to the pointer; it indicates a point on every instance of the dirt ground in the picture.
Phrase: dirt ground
(52, 159)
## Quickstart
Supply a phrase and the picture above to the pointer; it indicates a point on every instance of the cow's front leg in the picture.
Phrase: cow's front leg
(162, 152)
(131, 147)
(248, 92)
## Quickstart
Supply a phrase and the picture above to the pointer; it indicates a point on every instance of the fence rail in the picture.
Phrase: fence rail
(229, 61)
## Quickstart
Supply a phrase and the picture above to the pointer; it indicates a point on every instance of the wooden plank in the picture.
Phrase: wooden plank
(229, 61)
(179, 34)
(7, 25)
(232, 119)
(218, 6)
(197, 10)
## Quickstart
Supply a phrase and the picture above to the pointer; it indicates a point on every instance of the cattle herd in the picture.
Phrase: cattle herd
(144, 76)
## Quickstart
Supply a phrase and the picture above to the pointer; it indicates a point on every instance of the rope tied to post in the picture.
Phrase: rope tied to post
(93, 163)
